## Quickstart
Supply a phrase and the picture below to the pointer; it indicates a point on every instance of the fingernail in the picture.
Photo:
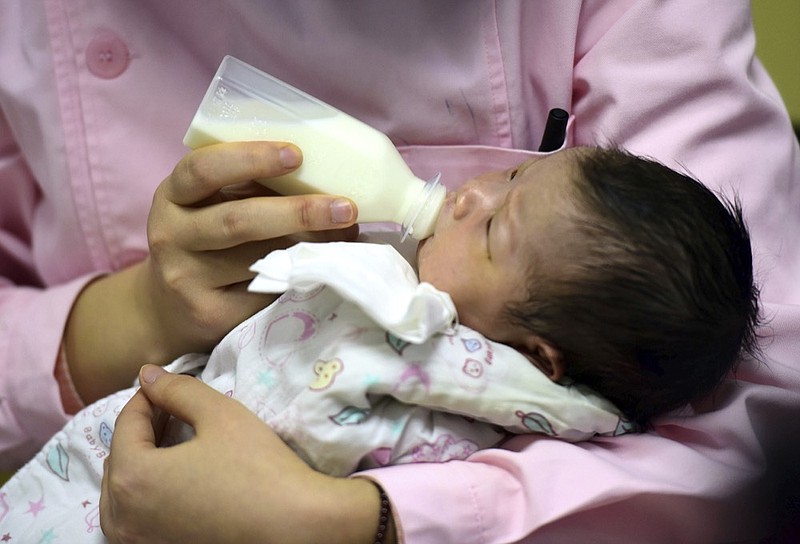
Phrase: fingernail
(290, 157)
(150, 373)
(341, 211)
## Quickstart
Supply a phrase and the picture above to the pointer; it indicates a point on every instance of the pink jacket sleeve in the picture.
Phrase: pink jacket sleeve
(31, 318)
(674, 80)
(679, 81)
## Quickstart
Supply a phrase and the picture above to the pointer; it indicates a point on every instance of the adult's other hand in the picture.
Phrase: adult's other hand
(235, 481)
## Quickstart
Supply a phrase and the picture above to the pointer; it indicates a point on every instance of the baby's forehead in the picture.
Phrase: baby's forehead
(567, 161)
(550, 211)
(553, 176)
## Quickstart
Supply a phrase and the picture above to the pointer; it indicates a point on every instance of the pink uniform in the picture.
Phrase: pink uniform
(95, 97)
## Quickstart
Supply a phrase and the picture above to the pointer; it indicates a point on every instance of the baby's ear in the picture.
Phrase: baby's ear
(544, 355)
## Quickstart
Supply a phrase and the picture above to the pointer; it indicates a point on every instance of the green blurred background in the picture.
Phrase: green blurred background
(777, 24)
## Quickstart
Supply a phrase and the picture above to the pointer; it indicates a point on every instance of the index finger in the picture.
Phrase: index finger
(201, 173)
(229, 224)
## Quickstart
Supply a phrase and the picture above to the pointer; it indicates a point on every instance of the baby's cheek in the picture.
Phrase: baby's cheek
(423, 269)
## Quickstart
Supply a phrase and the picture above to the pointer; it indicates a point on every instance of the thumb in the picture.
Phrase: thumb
(184, 397)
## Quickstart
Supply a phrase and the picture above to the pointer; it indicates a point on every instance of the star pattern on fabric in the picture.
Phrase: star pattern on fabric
(35, 507)
(6, 537)
(86, 503)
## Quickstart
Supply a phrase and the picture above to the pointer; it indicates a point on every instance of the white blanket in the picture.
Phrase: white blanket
(356, 365)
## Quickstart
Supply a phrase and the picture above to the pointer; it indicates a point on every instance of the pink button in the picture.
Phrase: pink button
(107, 56)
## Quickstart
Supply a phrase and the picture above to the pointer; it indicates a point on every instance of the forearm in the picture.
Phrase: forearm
(108, 337)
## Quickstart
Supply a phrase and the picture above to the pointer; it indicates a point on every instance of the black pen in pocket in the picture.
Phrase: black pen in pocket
(555, 130)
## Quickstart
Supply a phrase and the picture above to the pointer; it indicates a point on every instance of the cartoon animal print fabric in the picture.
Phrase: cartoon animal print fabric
(346, 387)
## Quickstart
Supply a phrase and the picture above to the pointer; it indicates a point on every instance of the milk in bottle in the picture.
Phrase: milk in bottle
(341, 155)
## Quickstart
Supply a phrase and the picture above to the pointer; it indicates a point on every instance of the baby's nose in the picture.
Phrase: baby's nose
(467, 198)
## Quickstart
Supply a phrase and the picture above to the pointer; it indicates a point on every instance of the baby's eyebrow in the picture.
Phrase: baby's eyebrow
(512, 213)
(521, 168)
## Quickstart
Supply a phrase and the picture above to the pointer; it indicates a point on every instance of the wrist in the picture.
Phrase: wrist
(350, 513)
(378, 520)
(386, 533)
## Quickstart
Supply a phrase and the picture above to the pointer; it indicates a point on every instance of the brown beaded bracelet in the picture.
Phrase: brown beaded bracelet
(383, 522)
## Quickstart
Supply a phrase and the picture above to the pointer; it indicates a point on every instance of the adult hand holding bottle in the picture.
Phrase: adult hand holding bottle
(208, 222)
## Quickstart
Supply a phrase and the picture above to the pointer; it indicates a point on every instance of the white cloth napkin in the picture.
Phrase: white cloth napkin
(373, 276)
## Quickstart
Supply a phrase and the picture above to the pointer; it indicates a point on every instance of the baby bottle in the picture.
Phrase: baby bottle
(341, 155)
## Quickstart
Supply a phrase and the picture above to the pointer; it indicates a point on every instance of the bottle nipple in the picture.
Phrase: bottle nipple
(421, 217)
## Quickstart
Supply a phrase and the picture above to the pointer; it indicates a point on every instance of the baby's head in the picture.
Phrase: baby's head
(608, 268)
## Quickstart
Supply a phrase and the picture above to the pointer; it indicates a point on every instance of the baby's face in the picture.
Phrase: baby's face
(492, 230)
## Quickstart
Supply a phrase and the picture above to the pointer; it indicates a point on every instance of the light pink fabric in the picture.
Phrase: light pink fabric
(80, 156)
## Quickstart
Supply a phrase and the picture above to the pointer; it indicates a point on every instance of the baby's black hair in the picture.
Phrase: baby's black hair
(661, 302)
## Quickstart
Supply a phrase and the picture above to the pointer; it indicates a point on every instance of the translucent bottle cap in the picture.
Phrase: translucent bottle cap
(425, 210)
